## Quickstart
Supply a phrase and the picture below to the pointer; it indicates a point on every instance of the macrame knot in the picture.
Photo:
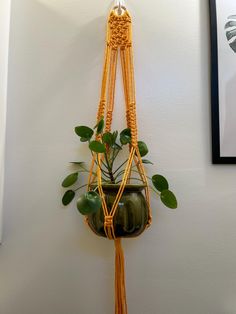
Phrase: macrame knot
(109, 228)
(133, 123)
(119, 30)
(101, 110)
(108, 223)
(108, 120)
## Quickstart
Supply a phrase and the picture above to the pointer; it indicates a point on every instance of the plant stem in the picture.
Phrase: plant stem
(81, 171)
(114, 156)
(146, 175)
(105, 173)
(95, 189)
(120, 166)
(104, 165)
(124, 171)
(154, 190)
(86, 170)
(109, 167)
(82, 186)
(107, 161)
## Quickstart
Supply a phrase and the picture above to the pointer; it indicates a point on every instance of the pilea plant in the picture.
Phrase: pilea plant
(110, 146)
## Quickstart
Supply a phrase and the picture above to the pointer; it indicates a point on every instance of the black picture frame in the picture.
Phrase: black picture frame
(215, 118)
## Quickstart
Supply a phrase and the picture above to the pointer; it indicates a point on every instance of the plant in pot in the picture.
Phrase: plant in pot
(133, 213)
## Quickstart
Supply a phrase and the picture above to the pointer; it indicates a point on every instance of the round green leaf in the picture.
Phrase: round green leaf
(160, 182)
(97, 147)
(70, 180)
(168, 199)
(68, 197)
(84, 132)
(125, 136)
(107, 138)
(89, 202)
(143, 150)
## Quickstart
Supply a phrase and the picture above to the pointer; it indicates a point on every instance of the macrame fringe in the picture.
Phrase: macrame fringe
(120, 291)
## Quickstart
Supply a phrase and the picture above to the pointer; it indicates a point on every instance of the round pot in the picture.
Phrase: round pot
(131, 216)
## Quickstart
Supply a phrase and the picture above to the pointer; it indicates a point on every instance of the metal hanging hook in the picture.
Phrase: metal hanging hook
(119, 6)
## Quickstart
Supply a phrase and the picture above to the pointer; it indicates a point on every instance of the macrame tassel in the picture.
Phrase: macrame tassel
(120, 292)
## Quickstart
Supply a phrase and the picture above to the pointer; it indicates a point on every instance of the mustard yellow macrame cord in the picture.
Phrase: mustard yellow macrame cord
(119, 39)
(118, 43)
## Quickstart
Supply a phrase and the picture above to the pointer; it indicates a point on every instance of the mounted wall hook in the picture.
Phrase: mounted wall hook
(119, 6)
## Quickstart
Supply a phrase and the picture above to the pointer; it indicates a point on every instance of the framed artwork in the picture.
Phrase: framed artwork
(223, 80)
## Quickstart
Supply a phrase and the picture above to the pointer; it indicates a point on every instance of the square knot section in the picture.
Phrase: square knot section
(108, 222)
(119, 29)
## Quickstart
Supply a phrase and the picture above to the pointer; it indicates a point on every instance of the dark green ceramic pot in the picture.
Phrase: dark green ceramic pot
(131, 215)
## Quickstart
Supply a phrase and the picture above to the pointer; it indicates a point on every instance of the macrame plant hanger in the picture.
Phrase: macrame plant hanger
(118, 42)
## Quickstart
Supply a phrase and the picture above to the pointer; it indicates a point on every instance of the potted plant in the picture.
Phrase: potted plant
(132, 215)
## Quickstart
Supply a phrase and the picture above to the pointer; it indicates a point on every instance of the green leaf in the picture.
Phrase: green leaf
(68, 197)
(84, 132)
(160, 182)
(100, 126)
(114, 137)
(168, 199)
(146, 161)
(143, 150)
(107, 138)
(70, 180)
(97, 147)
(79, 163)
(125, 136)
(98, 122)
(89, 202)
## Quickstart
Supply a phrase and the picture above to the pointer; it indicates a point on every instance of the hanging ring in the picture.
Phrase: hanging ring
(119, 7)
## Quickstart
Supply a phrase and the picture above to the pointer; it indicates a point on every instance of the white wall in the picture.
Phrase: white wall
(4, 45)
(50, 262)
